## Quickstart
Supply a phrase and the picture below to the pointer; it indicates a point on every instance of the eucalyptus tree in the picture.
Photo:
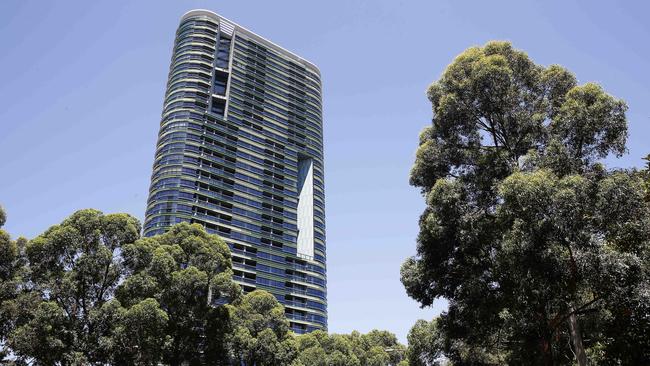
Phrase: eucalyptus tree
(260, 332)
(72, 271)
(12, 272)
(91, 291)
(535, 243)
(186, 273)
(376, 348)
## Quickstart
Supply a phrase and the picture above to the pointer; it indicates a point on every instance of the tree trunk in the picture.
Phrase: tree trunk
(576, 338)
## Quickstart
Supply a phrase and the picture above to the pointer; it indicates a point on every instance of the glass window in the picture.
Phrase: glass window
(218, 106)
(220, 83)
(223, 53)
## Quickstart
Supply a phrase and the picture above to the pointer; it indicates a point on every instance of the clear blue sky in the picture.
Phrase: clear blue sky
(82, 84)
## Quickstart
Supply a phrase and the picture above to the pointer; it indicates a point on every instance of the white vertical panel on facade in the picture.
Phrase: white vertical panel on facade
(305, 220)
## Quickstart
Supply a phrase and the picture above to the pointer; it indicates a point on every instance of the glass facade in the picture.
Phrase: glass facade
(240, 151)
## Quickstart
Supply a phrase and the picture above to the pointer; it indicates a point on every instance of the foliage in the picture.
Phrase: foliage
(645, 175)
(137, 335)
(429, 346)
(11, 279)
(73, 271)
(533, 242)
(185, 271)
(424, 344)
(377, 348)
(3, 217)
(261, 331)
(91, 291)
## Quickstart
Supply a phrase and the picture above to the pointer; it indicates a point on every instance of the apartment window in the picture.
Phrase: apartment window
(220, 83)
(223, 53)
(218, 106)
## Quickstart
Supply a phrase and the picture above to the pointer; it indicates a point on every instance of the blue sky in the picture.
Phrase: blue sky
(82, 84)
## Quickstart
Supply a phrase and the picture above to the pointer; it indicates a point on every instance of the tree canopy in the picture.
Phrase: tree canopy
(376, 348)
(90, 290)
(531, 239)
(183, 272)
(261, 333)
(73, 272)
(11, 280)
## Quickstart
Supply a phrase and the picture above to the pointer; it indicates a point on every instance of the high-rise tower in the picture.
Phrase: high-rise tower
(240, 151)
